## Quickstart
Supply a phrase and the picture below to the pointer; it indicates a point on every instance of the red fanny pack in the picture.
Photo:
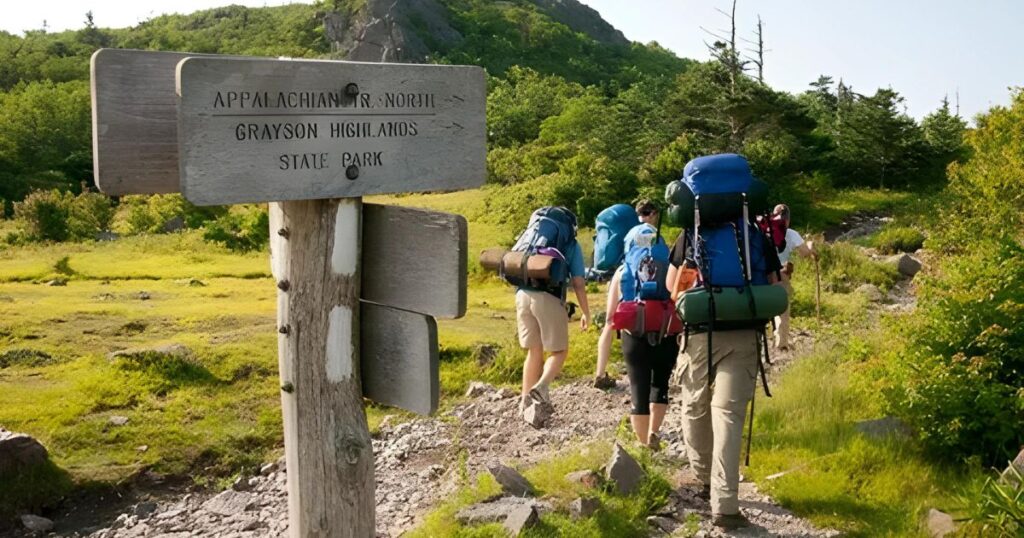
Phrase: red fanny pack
(642, 317)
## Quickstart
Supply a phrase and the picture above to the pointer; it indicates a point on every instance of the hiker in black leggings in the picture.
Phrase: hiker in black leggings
(649, 368)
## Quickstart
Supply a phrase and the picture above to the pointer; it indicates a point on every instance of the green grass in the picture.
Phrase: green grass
(619, 515)
(832, 210)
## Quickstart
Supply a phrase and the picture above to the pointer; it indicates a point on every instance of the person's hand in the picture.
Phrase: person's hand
(584, 321)
(811, 251)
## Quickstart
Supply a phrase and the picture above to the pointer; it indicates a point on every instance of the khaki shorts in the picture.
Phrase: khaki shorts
(542, 319)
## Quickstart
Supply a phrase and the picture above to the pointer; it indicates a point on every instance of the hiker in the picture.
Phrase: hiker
(542, 319)
(793, 243)
(725, 309)
(647, 213)
(639, 308)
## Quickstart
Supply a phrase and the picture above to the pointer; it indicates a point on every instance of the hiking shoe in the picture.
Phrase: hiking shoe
(539, 395)
(654, 442)
(604, 382)
(730, 521)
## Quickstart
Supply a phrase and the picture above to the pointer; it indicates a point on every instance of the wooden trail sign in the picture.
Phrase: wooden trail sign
(135, 121)
(397, 369)
(270, 130)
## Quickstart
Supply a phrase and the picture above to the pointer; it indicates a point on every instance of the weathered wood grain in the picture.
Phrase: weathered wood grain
(254, 130)
(400, 358)
(135, 121)
(415, 260)
(314, 258)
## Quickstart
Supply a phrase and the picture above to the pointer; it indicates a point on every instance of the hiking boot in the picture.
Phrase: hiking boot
(604, 382)
(654, 442)
(730, 521)
(539, 395)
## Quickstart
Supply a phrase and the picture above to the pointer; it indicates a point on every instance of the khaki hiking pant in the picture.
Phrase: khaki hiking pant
(713, 415)
(782, 322)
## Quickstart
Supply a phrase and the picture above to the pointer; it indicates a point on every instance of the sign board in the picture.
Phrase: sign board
(399, 358)
(253, 130)
(135, 121)
(415, 260)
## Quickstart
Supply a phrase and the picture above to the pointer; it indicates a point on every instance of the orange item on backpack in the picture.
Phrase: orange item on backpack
(685, 279)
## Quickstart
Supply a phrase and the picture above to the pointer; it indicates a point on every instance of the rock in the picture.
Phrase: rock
(624, 471)
(143, 296)
(390, 31)
(940, 523)
(268, 469)
(241, 484)
(36, 523)
(503, 393)
(484, 354)
(906, 264)
(175, 224)
(117, 420)
(883, 427)
(583, 507)
(230, 502)
(57, 282)
(871, 292)
(586, 477)
(520, 519)
(478, 388)
(106, 236)
(144, 509)
(665, 524)
(18, 450)
(511, 481)
(537, 414)
(171, 514)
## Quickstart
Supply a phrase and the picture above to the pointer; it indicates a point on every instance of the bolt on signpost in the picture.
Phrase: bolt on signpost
(358, 284)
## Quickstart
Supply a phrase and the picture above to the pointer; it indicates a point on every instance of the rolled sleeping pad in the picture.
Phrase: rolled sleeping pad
(732, 304)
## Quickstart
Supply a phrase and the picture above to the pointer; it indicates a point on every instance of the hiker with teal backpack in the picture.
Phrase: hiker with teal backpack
(542, 320)
(641, 311)
(612, 226)
(725, 313)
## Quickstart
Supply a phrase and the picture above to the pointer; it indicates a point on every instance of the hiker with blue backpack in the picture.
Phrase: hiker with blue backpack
(612, 226)
(641, 311)
(542, 320)
(725, 310)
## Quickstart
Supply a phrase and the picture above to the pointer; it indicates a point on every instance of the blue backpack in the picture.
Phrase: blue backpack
(551, 232)
(646, 261)
(612, 225)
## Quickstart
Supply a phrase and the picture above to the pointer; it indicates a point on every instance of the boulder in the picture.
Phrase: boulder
(940, 523)
(520, 519)
(485, 353)
(1008, 476)
(175, 224)
(229, 503)
(510, 480)
(906, 264)
(36, 523)
(871, 292)
(491, 512)
(583, 507)
(18, 450)
(586, 477)
(664, 524)
(883, 427)
(537, 414)
(624, 471)
(117, 420)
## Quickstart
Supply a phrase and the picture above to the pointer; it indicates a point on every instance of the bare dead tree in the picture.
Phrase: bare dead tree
(758, 50)
(724, 49)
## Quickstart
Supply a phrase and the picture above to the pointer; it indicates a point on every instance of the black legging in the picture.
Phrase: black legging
(649, 369)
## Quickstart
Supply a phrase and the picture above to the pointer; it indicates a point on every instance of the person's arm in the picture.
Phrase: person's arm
(580, 287)
(614, 295)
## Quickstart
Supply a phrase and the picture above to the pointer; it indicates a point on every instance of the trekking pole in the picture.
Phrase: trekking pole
(817, 291)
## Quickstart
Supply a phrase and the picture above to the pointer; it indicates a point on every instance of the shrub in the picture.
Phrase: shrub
(998, 509)
(897, 239)
(243, 228)
(844, 267)
(60, 216)
(151, 214)
(958, 381)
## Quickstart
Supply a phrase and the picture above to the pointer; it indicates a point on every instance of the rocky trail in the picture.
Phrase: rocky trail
(422, 462)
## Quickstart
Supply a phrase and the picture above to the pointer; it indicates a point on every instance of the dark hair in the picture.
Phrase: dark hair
(646, 207)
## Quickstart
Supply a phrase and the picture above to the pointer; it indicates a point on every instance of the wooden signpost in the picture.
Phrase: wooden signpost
(358, 285)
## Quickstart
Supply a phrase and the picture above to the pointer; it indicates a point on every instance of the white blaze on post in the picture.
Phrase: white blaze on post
(339, 345)
(345, 252)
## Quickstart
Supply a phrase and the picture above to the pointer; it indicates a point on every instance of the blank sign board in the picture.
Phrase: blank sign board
(253, 130)
(399, 358)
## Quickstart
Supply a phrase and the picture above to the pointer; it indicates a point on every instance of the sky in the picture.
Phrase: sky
(924, 49)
